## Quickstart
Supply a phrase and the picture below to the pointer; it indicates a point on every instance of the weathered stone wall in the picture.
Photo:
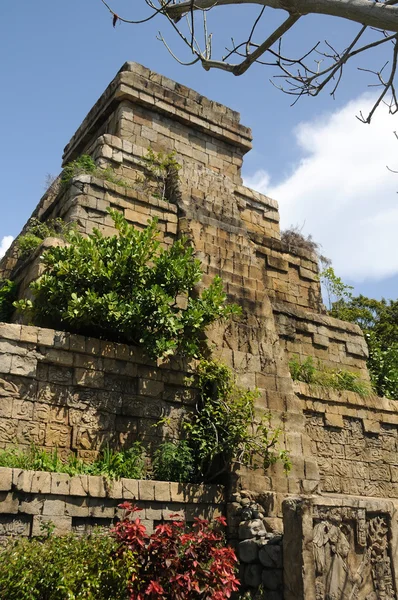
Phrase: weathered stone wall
(78, 394)
(234, 231)
(336, 344)
(77, 504)
(354, 439)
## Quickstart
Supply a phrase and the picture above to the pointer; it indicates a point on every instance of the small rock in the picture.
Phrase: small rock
(253, 575)
(245, 502)
(247, 514)
(251, 529)
(248, 551)
(271, 556)
(272, 579)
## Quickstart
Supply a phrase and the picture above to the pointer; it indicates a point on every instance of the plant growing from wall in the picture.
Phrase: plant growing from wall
(199, 566)
(8, 294)
(85, 165)
(224, 431)
(160, 167)
(126, 288)
(37, 231)
(129, 463)
(174, 460)
(318, 374)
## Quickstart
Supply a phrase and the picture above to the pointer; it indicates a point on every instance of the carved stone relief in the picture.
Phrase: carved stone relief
(351, 554)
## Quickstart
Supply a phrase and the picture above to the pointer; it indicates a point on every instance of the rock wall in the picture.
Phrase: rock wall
(355, 440)
(78, 394)
(28, 499)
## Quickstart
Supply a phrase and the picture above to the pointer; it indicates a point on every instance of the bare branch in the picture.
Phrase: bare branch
(305, 75)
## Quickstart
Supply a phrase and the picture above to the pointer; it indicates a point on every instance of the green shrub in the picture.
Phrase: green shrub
(63, 568)
(225, 431)
(127, 288)
(173, 461)
(8, 294)
(37, 231)
(128, 463)
(378, 320)
(318, 374)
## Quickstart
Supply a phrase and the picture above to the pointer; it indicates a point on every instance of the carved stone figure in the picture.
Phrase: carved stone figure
(347, 566)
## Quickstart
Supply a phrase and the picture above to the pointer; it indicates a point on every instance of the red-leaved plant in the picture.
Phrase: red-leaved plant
(175, 563)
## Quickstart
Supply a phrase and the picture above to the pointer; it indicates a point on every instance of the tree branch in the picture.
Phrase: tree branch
(381, 15)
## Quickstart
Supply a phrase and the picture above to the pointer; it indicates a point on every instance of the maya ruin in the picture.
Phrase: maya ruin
(327, 530)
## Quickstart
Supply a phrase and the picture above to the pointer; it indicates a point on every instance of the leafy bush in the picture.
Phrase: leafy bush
(128, 463)
(174, 461)
(225, 431)
(8, 294)
(378, 320)
(318, 374)
(85, 165)
(126, 288)
(63, 568)
(175, 564)
(37, 231)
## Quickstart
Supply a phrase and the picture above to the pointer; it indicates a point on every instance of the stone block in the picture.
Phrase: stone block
(96, 487)
(5, 479)
(162, 491)
(22, 480)
(45, 337)
(146, 490)
(53, 507)
(130, 489)
(41, 483)
(333, 420)
(270, 556)
(89, 378)
(5, 363)
(253, 575)
(9, 503)
(62, 525)
(272, 579)
(24, 366)
(10, 331)
(60, 483)
(5, 403)
(177, 492)
(31, 505)
(99, 510)
(79, 485)
(248, 551)
(76, 507)
(150, 387)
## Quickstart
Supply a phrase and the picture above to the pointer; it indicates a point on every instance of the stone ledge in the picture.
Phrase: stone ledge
(369, 409)
(304, 315)
(61, 341)
(62, 484)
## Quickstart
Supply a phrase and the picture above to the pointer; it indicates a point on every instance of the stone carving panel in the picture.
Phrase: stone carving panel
(341, 549)
(351, 553)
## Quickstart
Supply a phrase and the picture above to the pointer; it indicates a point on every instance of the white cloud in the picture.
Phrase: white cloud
(342, 191)
(5, 243)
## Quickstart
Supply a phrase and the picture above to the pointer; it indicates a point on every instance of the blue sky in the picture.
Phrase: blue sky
(327, 171)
